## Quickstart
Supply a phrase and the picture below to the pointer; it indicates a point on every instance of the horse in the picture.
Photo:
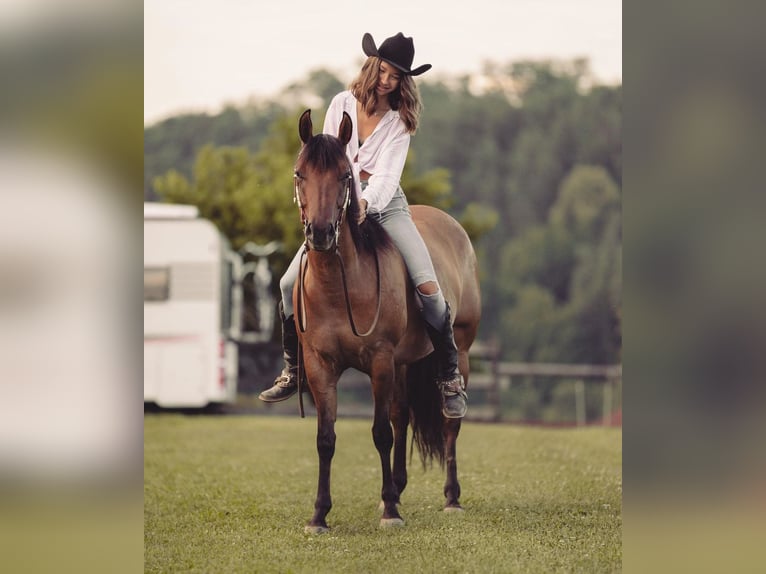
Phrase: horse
(356, 308)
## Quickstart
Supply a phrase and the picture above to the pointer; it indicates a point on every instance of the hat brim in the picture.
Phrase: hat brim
(416, 72)
(370, 49)
(419, 70)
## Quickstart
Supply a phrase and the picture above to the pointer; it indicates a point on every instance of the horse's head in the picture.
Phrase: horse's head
(323, 182)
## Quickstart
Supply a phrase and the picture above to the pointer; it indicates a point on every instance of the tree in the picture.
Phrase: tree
(562, 280)
(543, 256)
(222, 177)
(587, 200)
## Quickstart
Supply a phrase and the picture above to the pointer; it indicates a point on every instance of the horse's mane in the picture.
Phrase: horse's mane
(324, 153)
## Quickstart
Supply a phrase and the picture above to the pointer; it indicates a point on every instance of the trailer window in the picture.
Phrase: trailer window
(156, 283)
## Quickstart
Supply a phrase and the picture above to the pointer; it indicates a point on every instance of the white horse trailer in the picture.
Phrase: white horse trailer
(192, 309)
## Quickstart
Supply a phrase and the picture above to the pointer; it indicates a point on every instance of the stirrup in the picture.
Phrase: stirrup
(286, 379)
(285, 386)
(453, 397)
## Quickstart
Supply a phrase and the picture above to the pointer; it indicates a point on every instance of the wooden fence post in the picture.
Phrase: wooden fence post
(608, 401)
(580, 402)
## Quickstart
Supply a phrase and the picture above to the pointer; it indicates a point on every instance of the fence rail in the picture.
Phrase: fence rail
(497, 376)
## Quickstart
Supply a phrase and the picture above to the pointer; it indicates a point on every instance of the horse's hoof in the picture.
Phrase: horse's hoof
(391, 522)
(309, 529)
(454, 509)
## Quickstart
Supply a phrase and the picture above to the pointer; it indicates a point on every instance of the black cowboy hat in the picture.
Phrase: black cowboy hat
(398, 51)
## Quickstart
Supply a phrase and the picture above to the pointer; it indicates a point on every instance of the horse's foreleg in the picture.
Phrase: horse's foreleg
(400, 418)
(382, 378)
(451, 486)
(325, 398)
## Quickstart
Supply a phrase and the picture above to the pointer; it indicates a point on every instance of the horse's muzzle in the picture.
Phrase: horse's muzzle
(320, 237)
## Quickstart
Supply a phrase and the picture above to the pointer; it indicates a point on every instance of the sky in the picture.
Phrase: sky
(202, 54)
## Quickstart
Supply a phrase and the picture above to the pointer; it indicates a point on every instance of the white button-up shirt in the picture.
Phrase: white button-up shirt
(383, 153)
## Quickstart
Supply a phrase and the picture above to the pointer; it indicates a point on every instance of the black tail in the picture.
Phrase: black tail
(425, 404)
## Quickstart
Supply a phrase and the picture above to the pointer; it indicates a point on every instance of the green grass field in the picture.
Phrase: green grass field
(232, 494)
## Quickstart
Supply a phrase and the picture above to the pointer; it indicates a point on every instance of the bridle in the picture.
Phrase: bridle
(348, 178)
(343, 206)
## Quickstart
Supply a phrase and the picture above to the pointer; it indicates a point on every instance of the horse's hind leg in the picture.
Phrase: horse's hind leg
(451, 486)
(451, 432)
(400, 418)
(382, 377)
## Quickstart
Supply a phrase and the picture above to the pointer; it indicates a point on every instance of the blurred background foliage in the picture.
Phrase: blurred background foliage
(526, 155)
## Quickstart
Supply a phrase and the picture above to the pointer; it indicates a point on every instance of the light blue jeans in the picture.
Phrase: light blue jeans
(397, 221)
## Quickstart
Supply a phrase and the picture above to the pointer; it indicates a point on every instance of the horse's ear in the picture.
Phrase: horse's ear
(346, 129)
(305, 127)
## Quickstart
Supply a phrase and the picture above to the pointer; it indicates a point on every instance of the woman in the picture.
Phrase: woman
(385, 104)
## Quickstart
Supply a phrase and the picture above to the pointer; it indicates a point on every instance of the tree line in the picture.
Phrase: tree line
(527, 156)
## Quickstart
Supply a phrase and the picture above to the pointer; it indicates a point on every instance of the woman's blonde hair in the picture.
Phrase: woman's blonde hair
(405, 99)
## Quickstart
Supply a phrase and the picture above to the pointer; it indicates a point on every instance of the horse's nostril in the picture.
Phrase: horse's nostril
(321, 236)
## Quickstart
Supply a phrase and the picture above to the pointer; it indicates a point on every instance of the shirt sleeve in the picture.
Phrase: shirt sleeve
(388, 171)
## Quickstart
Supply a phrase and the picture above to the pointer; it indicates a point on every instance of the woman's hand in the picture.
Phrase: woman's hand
(362, 211)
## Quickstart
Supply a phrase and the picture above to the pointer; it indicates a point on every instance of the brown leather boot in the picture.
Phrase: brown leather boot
(449, 379)
(286, 384)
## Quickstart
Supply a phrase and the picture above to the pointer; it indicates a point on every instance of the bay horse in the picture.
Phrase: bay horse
(356, 308)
